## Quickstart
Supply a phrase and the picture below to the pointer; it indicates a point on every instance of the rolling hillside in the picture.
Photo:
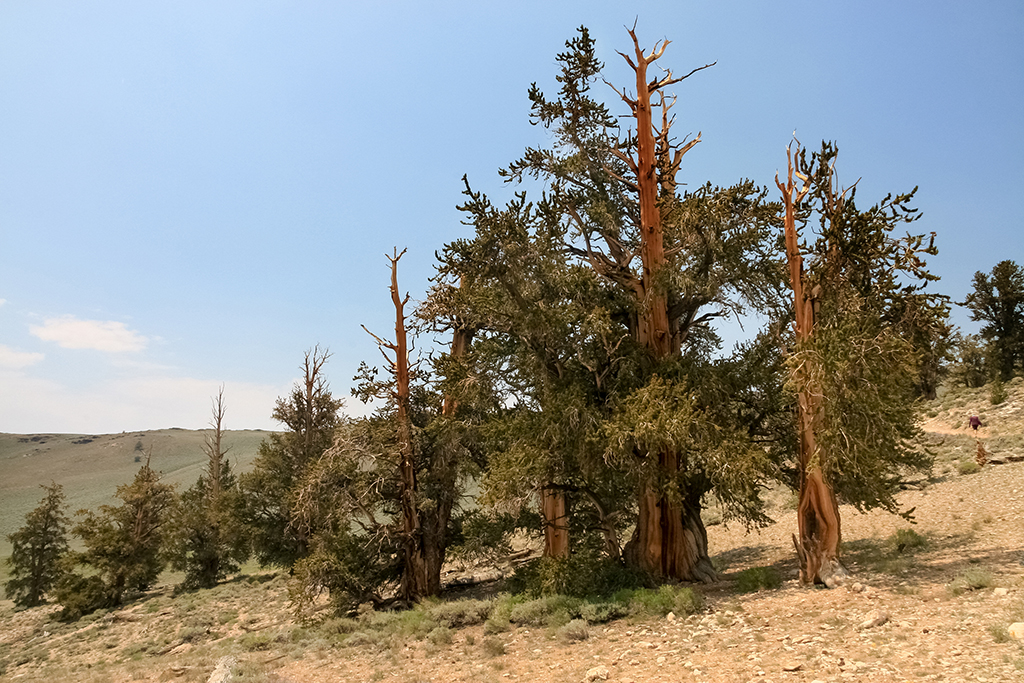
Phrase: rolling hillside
(91, 467)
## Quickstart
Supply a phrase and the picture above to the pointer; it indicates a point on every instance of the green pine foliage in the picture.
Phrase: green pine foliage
(551, 288)
(208, 540)
(37, 548)
(874, 322)
(123, 547)
(998, 302)
(350, 498)
(310, 416)
(970, 367)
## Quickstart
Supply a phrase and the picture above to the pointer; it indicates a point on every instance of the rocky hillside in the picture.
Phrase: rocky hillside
(936, 600)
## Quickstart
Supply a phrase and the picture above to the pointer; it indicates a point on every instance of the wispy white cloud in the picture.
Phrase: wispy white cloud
(100, 335)
(15, 360)
(34, 405)
(3, 301)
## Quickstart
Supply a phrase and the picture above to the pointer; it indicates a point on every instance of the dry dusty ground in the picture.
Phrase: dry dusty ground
(937, 628)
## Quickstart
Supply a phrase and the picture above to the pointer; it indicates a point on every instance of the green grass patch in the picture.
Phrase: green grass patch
(907, 541)
(493, 647)
(968, 467)
(757, 579)
(971, 579)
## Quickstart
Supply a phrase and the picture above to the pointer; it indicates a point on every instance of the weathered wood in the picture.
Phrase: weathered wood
(556, 529)
(818, 523)
(670, 540)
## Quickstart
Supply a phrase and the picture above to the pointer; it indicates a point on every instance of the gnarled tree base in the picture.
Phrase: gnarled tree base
(817, 544)
(670, 540)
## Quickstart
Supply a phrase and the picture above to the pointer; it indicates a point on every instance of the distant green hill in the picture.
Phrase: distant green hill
(91, 467)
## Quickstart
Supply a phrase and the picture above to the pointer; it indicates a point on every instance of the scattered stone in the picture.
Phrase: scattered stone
(670, 617)
(661, 660)
(222, 672)
(792, 666)
(1017, 630)
(1000, 591)
(876, 619)
(598, 673)
(857, 588)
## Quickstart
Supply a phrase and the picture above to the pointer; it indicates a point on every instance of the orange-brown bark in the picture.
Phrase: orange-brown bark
(556, 529)
(424, 533)
(669, 541)
(818, 523)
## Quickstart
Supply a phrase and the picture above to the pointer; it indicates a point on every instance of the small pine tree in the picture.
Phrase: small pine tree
(37, 548)
(310, 415)
(207, 541)
(122, 546)
(997, 391)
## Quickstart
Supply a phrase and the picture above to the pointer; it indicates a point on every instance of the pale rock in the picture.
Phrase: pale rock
(876, 619)
(1017, 630)
(1000, 591)
(598, 673)
(857, 588)
(670, 617)
(661, 660)
(792, 666)
(222, 672)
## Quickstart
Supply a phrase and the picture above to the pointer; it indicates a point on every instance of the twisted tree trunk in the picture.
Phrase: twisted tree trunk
(670, 540)
(556, 529)
(818, 524)
(424, 531)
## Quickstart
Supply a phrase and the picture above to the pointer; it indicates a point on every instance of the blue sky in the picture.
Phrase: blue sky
(194, 193)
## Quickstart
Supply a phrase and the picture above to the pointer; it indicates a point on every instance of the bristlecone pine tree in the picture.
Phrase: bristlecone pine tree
(380, 506)
(207, 539)
(649, 267)
(998, 302)
(423, 529)
(37, 548)
(855, 364)
(310, 415)
(123, 546)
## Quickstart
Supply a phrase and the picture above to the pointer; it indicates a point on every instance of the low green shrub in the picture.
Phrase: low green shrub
(974, 578)
(256, 642)
(460, 612)
(584, 574)
(493, 647)
(907, 540)
(550, 610)
(442, 635)
(758, 578)
(338, 626)
(968, 467)
(681, 601)
(574, 631)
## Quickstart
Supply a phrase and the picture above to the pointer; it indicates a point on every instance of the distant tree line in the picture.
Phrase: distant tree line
(578, 387)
